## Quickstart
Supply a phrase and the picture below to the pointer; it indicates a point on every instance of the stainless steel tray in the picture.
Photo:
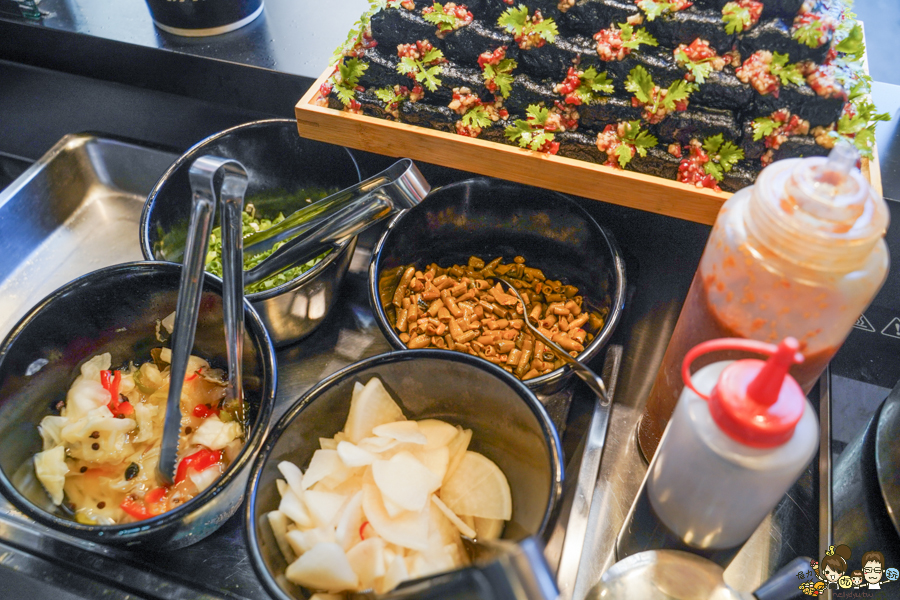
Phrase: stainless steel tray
(77, 210)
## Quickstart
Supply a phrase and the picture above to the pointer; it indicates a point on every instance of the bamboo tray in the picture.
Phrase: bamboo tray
(570, 176)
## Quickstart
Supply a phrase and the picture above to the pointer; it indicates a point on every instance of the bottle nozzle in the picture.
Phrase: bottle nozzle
(842, 158)
(766, 386)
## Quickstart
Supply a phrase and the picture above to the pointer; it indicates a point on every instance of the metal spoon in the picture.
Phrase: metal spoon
(588, 376)
(576, 525)
(202, 174)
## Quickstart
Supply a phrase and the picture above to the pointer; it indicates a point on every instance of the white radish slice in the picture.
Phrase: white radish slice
(278, 523)
(488, 529)
(444, 541)
(324, 506)
(346, 532)
(437, 460)
(478, 488)
(293, 475)
(357, 388)
(460, 526)
(367, 560)
(409, 529)
(405, 481)
(303, 541)
(395, 575)
(457, 448)
(438, 433)
(354, 456)
(392, 509)
(282, 485)
(378, 445)
(323, 567)
(295, 509)
(324, 463)
(371, 408)
(328, 443)
(402, 431)
(321, 596)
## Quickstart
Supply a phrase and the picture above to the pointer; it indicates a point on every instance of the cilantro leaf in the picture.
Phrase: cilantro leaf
(537, 113)
(477, 116)
(514, 19)
(713, 169)
(853, 43)
(712, 144)
(501, 75)
(423, 70)
(808, 34)
(787, 73)
(729, 155)
(530, 133)
(656, 8)
(722, 156)
(639, 139)
(762, 127)
(700, 70)
(624, 153)
(350, 71)
(736, 18)
(632, 38)
(438, 17)
(640, 84)
(592, 84)
(678, 91)
(386, 95)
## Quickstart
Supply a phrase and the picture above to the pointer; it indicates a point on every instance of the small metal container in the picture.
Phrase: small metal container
(509, 426)
(280, 165)
(117, 310)
(489, 218)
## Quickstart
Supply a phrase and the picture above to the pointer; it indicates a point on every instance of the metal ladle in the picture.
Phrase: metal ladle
(202, 176)
(336, 218)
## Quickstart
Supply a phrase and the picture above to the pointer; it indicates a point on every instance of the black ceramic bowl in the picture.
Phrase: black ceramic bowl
(282, 167)
(116, 310)
(489, 218)
(509, 426)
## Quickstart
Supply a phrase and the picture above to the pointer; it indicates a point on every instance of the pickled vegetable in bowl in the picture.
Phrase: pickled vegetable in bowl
(385, 500)
(100, 453)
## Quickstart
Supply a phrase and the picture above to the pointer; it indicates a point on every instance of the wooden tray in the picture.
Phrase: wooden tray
(570, 176)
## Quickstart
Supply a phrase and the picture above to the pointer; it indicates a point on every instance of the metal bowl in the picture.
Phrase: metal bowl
(117, 310)
(277, 160)
(509, 426)
(489, 218)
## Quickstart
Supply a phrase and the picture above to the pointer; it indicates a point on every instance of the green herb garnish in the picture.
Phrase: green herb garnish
(640, 83)
(425, 70)
(722, 156)
(657, 8)
(530, 133)
(350, 70)
(736, 18)
(787, 73)
(517, 22)
(477, 117)
(634, 137)
(632, 38)
(501, 75)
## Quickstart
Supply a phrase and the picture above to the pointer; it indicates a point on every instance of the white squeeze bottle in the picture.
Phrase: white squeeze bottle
(741, 434)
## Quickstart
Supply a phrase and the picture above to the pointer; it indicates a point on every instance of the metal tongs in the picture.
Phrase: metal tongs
(202, 176)
(336, 218)
(576, 529)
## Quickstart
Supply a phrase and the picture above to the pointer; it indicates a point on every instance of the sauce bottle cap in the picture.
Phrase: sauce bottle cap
(755, 402)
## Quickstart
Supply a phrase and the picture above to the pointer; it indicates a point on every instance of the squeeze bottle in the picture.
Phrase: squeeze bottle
(800, 253)
(742, 433)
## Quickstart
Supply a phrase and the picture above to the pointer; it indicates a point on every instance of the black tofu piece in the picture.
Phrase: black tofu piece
(382, 72)
(771, 8)
(579, 145)
(466, 43)
(427, 115)
(610, 110)
(553, 60)
(800, 100)
(684, 26)
(487, 11)
(722, 89)
(753, 149)
(775, 36)
(799, 146)
(658, 162)
(698, 123)
(741, 175)
(526, 91)
(658, 62)
(590, 16)
(372, 106)
(394, 26)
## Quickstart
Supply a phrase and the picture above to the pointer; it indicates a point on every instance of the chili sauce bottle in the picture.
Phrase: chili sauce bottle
(800, 253)
(742, 433)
